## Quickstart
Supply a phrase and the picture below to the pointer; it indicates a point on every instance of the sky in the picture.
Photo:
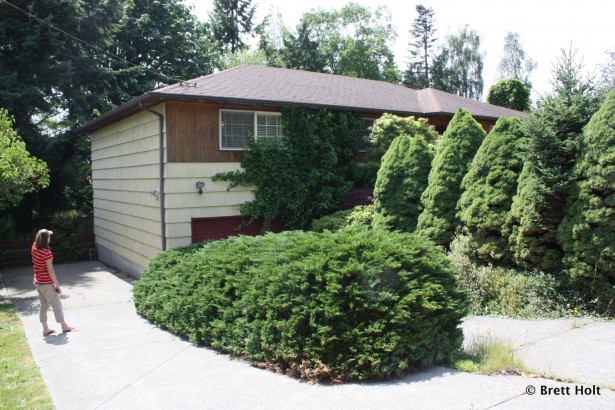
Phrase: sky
(546, 27)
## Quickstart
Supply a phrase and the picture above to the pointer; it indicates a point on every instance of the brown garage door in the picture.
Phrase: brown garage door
(223, 227)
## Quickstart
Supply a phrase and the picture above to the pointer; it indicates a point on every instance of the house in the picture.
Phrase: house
(154, 157)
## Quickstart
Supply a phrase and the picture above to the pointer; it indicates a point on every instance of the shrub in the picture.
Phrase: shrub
(303, 175)
(509, 292)
(455, 152)
(488, 189)
(351, 305)
(587, 233)
(402, 178)
(386, 129)
(359, 216)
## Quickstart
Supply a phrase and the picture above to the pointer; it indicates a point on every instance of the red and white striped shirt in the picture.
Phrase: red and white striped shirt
(39, 258)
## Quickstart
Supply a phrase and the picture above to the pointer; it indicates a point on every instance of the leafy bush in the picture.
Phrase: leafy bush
(509, 292)
(402, 178)
(386, 129)
(355, 217)
(303, 175)
(454, 155)
(351, 305)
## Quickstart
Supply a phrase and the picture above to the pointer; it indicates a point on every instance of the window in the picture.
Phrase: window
(363, 132)
(237, 127)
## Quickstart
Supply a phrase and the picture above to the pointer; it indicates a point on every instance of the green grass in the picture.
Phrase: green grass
(21, 384)
(490, 356)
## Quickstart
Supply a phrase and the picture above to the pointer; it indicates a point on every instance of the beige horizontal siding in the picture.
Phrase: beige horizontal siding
(103, 150)
(183, 201)
(152, 213)
(194, 200)
(128, 160)
(121, 248)
(186, 214)
(125, 171)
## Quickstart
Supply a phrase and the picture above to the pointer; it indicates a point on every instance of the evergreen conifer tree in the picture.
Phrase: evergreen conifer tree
(553, 132)
(587, 233)
(402, 178)
(455, 152)
(488, 189)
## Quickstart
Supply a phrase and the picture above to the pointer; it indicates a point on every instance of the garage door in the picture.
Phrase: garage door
(223, 227)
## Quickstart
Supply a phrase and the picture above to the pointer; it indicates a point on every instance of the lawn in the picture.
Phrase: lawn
(21, 383)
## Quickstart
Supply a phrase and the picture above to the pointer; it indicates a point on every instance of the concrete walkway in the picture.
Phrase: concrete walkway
(118, 360)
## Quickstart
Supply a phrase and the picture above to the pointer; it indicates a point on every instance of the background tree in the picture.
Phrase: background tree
(302, 53)
(458, 68)
(161, 43)
(514, 62)
(353, 40)
(553, 132)
(20, 173)
(510, 93)
(607, 71)
(402, 178)
(423, 34)
(459, 144)
(59, 69)
(488, 189)
(231, 20)
(52, 80)
(587, 233)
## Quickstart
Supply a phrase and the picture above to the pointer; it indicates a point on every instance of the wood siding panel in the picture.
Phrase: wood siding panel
(193, 131)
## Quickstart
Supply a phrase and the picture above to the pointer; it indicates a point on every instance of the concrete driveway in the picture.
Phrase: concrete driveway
(118, 360)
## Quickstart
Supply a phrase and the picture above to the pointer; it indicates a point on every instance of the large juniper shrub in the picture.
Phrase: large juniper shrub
(350, 305)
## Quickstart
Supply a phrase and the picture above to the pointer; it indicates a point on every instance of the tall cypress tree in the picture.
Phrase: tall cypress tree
(459, 144)
(402, 178)
(488, 189)
(587, 233)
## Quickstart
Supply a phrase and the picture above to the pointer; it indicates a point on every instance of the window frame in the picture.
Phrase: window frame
(255, 115)
(373, 120)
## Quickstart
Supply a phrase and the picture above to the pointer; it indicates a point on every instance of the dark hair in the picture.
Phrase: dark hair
(42, 239)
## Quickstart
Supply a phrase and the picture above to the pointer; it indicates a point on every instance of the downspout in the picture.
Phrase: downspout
(163, 227)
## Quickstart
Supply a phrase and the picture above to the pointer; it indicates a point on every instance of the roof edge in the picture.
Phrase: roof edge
(109, 116)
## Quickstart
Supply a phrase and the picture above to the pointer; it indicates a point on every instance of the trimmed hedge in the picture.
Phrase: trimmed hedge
(350, 305)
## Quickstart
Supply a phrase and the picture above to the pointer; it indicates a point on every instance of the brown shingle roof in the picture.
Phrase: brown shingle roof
(248, 84)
